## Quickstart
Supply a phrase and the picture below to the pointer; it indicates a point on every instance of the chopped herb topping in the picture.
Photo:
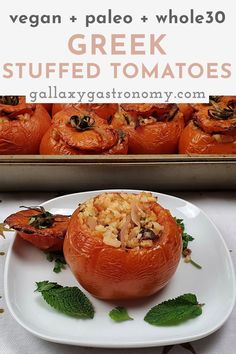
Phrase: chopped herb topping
(186, 238)
(59, 261)
(42, 220)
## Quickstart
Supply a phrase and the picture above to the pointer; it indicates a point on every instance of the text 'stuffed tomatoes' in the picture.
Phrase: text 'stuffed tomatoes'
(213, 129)
(151, 128)
(122, 246)
(103, 110)
(77, 132)
(41, 228)
(22, 126)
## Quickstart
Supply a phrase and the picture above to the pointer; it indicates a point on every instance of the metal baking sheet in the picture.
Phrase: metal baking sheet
(154, 172)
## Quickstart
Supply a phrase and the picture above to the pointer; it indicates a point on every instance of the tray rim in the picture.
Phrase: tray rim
(115, 159)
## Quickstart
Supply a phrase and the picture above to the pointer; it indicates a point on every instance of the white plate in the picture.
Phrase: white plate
(214, 285)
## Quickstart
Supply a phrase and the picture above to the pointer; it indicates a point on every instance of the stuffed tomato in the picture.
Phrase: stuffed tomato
(151, 128)
(77, 132)
(212, 130)
(22, 126)
(123, 246)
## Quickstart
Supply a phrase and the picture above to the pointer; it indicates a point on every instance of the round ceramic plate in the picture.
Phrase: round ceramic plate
(214, 286)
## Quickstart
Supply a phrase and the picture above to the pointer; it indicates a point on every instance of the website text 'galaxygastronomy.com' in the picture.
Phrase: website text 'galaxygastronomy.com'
(53, 92)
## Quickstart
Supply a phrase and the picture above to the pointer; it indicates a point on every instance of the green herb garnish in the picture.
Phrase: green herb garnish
(186, 238)
(69, 300)
(174, 311)
(215, 99)
(119, 314)
(218, 112)
(59, 260)
(42, 220)
(82, 123)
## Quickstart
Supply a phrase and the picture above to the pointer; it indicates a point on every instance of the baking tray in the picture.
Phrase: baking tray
(80, 173)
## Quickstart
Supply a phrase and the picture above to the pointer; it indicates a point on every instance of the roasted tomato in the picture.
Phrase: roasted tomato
(122, 246)
(187, 111)
(213, 129)
(77, 132)
(22, 126)
(151, 129)
(41, 228)
(103, 110)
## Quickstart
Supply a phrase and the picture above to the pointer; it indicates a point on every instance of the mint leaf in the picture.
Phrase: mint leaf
(46, 285)
(119, 314)
(174, 311)
(69, 300)
(59, 261)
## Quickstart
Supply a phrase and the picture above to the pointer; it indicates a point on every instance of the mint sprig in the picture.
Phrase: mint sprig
(119, 314)
(69, 300)
(174, 311)
(186, 251)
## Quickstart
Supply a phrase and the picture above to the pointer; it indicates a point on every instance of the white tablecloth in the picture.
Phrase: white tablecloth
(220, 206)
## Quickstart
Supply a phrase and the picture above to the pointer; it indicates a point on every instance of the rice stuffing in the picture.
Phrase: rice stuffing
(122, 220)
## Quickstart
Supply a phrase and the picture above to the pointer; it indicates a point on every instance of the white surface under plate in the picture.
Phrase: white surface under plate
(214, 286)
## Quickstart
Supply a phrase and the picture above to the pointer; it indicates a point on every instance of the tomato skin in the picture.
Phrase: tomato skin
(48, 107)
(158, 138)
(187, 110)
(48, 239)
(23, 137)
(193, 140)
(111, 273)
(42, 242)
